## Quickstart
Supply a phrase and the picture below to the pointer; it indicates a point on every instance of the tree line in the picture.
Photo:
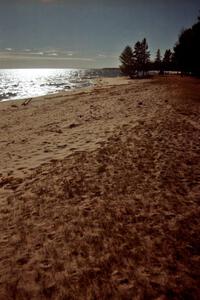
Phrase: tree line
(185, 57)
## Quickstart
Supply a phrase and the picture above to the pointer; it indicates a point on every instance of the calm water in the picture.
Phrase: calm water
(25, 83)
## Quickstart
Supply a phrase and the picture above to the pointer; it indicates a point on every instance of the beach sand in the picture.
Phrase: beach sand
(99, 192)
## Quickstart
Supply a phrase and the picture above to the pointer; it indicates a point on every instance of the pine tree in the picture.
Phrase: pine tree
(167, 60)
(138, 56)
(187, 49)
(135, 61)
(158, 57)
(158, 62)
(128, 63)
(141, 55)
(145, 55)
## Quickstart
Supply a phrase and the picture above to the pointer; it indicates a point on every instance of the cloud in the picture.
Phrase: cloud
(107, 55)
(40, 56)
(102, 55)
(52, 54)
(36, 53)
(39, 52)
(65, 53)
(55, 52)
(70, 53)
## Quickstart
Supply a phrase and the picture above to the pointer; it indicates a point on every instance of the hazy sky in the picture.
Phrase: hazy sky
(87, 33)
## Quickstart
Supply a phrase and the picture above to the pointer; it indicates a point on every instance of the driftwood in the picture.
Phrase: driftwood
(27, 101)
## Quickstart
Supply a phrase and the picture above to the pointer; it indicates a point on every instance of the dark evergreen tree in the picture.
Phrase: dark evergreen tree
(137, 61)
(158, 62)
(141, 55)
(167, 60)
(138, 57)
(158, 57)
(145, 56)
(187, 50)
(128, 63)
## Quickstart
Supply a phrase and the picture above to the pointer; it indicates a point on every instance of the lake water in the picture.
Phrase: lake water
(25, 83)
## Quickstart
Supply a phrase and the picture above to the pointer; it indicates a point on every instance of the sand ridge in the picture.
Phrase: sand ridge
(115, 214)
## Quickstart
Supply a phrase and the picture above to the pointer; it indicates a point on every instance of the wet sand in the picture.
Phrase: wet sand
(99, 192)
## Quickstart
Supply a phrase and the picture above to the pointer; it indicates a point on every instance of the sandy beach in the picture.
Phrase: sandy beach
(99, 192)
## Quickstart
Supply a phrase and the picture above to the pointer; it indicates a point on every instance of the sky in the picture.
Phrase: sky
(87, 33)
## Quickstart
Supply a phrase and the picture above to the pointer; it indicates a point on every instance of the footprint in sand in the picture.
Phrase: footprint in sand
(62, 146)
(48, 150)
